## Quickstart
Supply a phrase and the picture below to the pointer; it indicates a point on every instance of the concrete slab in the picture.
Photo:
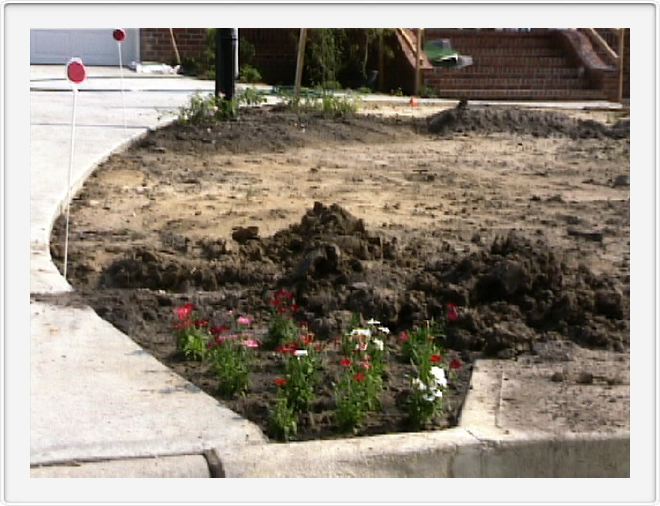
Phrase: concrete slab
(96, 394)
(180, 466)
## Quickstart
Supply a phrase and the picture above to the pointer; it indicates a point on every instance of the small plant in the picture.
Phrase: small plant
(425, 400)
(283, 328)
(421, 343)
(231, 355)
(206, 110)
(337, 107)
(251, 97)
(249, 74)
(192, 333)
(301, 372)
(351, 396)
(283, 419)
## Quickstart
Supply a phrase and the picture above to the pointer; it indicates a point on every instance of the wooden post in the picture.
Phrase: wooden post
(418, 54)
(622, 40)
(300, 60)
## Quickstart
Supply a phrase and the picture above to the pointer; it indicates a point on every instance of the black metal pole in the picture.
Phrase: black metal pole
(218, 61)
(225, 51)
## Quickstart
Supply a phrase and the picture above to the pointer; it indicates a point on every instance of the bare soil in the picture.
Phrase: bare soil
(520, 217)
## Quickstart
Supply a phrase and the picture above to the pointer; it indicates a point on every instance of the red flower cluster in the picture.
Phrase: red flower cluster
(280, 382)
(284, 303)
(346, 362)
(360, 377)
(452, 312)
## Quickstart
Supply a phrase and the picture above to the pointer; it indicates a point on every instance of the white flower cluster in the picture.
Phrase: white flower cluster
(434, 391)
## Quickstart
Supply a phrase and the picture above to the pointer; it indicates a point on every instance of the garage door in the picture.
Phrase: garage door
(95, 47)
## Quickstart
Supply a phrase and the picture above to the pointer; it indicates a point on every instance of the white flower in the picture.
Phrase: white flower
(373, 322)
(379, 344)
(418, 384)
(361, 332)
(300, 353)
(438, 374)
(384, 330)
(433, 395)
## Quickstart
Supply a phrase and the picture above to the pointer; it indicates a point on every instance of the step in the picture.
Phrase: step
(454, 83)
(510, 51)
(480, 71)
(527, 61)
(529, 94)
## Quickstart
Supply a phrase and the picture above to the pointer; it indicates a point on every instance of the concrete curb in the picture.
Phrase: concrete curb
(453, 453)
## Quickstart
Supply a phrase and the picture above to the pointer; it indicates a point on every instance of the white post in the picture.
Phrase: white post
(68, 184)
(121, 84)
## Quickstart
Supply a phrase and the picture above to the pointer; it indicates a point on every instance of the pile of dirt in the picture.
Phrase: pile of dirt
(488, 120)
(270, 129)
(512, 294)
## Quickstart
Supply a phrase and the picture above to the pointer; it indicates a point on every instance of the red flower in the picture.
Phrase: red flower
(404, 337)
(280, 382)
(295, 308)
(201, 323)
(284, 294)
(452, 312)
(184, 312)
(308, 339)
(346, 362)
(436, 359)
(455, 364)
(223, 329)
(359, 377)
(287, 349)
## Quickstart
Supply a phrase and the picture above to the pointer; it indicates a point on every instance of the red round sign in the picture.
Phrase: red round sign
(75, 71)
(119, 35)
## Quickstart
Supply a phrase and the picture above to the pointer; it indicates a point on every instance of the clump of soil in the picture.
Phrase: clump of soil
(488, 120)
(513, 293)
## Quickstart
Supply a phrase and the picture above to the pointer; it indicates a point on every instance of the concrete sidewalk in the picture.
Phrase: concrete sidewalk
(95, 394)
(101, 406)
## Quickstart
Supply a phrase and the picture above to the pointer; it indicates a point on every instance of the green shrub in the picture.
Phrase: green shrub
(249, 74)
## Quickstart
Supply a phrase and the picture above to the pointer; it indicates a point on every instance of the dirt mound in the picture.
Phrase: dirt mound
(512, 294)
(268, 130)
(487, 120)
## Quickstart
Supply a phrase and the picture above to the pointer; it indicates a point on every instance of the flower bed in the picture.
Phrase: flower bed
(365, 381)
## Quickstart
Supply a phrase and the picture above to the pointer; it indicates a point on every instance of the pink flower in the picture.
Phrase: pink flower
(244, 320)
(366, 365)
(184, 312)
(452, 312)
(404, 337)
(251, 343)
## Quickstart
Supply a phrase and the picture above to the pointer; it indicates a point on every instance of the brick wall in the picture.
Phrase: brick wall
(274, 52)
(156, 43)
